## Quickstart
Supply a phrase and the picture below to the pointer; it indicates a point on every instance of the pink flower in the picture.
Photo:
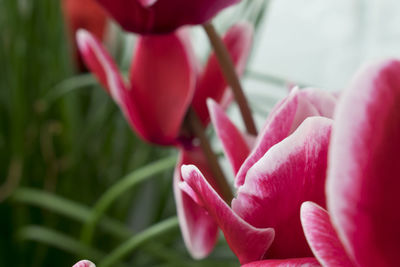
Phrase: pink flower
(162, 16)
(165, 79)
(84, 263)
(362, 226)
(286, 167)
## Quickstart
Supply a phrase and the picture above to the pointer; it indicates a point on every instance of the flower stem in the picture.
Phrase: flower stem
(219, 177)
(231, 76)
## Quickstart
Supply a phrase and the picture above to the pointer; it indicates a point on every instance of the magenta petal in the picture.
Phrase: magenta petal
(321, 236)
(162, 84)
(323, 101)
(233, 142)
(199, 230)
(238, 41)
(300, 262)
(248, 243)
(364, 175)
(291, 172)
(84, 263)
(282, 121)
(162, 16)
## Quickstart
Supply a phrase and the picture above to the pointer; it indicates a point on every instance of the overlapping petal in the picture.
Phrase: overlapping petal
(199, 229)
(299, 262)
(238, 40)
(363, 185)
(233, 142)
(162, 16)
(281, 122)
(247, 242)
(291, 172)
(321, 236)
(162, 83)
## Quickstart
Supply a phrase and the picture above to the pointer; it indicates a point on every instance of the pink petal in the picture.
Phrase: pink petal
(321, 236)
(282, 121)
(101, 64)
(301, 262)
(248, 243)
(363, 186)
(291, 172)
(199, 230)
(84, 263)
(162, 16)
(238, 41)
(323, 101)
(233, 142)
(162, 84)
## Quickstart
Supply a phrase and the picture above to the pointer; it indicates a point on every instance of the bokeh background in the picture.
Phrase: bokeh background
(64, 143)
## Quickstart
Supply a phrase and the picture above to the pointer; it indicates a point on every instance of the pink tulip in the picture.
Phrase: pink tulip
(286, 167)
(84, 263)
(162, 16)
(362, 226)
(165, 80)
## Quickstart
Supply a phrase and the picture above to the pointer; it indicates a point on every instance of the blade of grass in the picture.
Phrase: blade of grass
(125, 184)
(139, 239)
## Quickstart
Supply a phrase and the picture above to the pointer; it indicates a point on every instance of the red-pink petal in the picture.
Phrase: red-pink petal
(162, 84)
(323, 101)
(84, 263)
(248, 243)
(233, 142)
(162, 16)
(364, 174)
(291, 172)
(300, 262)
(321, 236)
(199, 230)
(101, 64)
(238, 41)
(283, 120)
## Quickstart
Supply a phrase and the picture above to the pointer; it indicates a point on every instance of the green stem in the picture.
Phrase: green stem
(122, 186)
(137, 240)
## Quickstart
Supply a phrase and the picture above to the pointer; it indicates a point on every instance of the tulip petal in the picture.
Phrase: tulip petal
(162, 16)
(300, 262)
(238, 41)
(248, 243)
(291, 172)
(84, 263)
(363, 185)
(282, 121)
(199, 230)
(162, 83)
(233, 142)
(321, 236)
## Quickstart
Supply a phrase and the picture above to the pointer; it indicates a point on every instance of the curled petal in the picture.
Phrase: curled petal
(84, 263)
(291, 172)
(282, 121)
(248, 243)
(238, 41)
(321, 236)
(322, 100)
(363, 185)
(199, 230)
(162, 84)
(233, 142)
(300, 262)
